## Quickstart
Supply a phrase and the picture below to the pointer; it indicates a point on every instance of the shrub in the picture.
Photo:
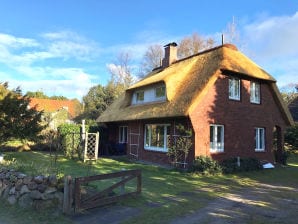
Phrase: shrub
(205, 165)
(283, 158)
(291, 136)
(246, 164)
(180, 146)
(71, 139)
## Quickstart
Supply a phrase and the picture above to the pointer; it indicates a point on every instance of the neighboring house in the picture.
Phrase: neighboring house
(56, 112)
(232, 106)
(293, 107)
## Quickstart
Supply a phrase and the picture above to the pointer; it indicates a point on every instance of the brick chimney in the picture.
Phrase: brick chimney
(170, 54)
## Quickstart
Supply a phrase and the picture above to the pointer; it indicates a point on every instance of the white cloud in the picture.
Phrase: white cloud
(16, 42)
(273, 43)
(50, 63)
(74, 83)
(275, 36)
(67, 44)
(61, 45)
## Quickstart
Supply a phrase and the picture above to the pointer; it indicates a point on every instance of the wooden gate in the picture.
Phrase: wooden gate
(106, 195)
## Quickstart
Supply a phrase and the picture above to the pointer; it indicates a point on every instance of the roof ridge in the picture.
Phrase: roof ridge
(231, 46)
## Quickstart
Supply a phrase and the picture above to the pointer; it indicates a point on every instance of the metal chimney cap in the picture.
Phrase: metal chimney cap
(174, 44)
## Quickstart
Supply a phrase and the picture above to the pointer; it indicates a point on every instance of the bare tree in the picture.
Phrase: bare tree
(232, 34)
(151, 59)
(187, 46)
(289, 92)
(190, 45)
(209, 43)
(121, 73)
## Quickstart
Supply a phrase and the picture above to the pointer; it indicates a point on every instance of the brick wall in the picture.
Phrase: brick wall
(136, 136)
(239, 119)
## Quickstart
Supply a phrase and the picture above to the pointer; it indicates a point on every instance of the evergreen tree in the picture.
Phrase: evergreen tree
(17, 120)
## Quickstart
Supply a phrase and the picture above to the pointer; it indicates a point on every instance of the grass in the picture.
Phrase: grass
(166, 194)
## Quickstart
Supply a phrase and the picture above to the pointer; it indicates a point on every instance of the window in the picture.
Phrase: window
(216, 138)
(260, 139)
(156, 137)
(160, 92)
(234, 89)
(255, 92)
(140, 96)
(149, 94)
(123, 134)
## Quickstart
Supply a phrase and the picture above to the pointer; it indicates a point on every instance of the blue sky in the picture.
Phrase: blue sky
(63, 47)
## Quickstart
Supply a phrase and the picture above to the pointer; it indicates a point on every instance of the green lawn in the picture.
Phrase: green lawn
(165, 193)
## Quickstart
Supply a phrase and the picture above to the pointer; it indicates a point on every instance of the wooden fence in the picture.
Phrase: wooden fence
(107, 195)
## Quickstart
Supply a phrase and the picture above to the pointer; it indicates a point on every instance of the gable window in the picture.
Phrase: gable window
(260, 139)
(156, 137)
(123, 134)
(234, 89)
(216, 138)
(140, 96)
(160, 92)
(255, 92)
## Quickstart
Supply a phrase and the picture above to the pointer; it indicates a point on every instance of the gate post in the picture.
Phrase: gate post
(68, 195)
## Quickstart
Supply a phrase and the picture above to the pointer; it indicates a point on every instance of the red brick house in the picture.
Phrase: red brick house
(59, 111)
(232, 106)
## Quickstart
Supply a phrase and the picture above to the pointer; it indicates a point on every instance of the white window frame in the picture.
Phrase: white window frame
(215, 145)
(165, 140)
(123, 135)
(234, 88)
(260, 139)
(255, 92)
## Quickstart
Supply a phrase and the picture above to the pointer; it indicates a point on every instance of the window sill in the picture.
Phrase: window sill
(156, 150)
(217, 152)
(260, 150)
(255, 103)
(148, 103)
(233, 99)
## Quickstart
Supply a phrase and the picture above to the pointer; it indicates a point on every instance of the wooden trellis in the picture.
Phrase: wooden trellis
(91, 146)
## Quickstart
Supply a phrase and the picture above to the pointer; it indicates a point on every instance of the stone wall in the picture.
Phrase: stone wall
(37, 192)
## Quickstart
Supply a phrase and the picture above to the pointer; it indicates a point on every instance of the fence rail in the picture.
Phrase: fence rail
(106, 196)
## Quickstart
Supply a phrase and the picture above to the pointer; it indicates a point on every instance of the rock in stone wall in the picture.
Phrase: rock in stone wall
(38, 192)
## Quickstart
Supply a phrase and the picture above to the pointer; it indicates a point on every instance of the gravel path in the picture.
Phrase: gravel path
(250, 205)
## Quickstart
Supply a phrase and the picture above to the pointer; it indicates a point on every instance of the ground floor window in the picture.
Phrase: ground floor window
(123, 134)
(216, 138)
(156, 137)
(260, 139)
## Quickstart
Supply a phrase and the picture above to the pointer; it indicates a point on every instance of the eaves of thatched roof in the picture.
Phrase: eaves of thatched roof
(293, 107)
(186, 81)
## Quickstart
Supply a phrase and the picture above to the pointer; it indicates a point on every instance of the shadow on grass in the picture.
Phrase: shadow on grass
(167, 194)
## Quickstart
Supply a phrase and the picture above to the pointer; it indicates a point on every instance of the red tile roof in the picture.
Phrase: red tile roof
(49, 105)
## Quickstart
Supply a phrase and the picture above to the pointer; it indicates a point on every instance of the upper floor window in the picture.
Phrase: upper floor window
(216, 138)
(255, 92)
(260, 139)
(160, 92)
(148, 94)
(140, 96)
(234, 88)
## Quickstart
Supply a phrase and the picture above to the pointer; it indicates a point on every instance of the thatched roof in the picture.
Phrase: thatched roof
(185, 81)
